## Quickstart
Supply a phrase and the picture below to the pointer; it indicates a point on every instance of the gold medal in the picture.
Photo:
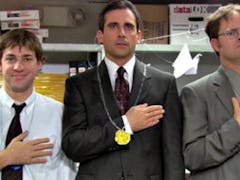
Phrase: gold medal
(122, 137)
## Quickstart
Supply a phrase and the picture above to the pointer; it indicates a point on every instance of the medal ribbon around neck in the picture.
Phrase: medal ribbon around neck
(121, 136)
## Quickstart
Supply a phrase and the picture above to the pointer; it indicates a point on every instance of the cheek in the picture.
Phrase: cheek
(4, 68)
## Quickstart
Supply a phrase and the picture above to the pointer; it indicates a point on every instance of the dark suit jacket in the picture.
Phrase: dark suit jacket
(211, 135)
(88, 135)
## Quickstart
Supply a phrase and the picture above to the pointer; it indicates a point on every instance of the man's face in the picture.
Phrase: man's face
(228, 42)
(120, 35)
(19, 67)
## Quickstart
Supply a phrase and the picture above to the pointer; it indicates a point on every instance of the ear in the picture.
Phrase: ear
(215, 44)
(40, 64)
(99, 37)
(139, 36)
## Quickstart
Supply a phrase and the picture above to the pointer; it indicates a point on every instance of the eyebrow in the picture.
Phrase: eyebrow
(25, 55)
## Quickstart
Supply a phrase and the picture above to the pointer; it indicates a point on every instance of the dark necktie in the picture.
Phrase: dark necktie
(121, 91)
(14, 172)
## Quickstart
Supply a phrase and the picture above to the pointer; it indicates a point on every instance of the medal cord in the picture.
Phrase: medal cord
(103, 97)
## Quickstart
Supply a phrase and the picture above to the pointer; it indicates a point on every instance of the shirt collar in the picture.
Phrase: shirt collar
(8, 101)
(113, 67)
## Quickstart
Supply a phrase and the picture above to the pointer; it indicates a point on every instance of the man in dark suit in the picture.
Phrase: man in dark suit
(140, 142)
(211, 105)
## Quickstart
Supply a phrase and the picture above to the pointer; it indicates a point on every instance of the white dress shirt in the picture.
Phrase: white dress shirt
(42, 117)
(112, 71)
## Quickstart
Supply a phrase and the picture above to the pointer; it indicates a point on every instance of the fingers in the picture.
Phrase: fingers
(40, 149)
(43, 146)
(41, 154)
(236, 108)
(235, 104)
(40, 144)
(37, 160)
(39, 141)
(144, 116)
(21, 136)
(155, 111)
(29, 151)
(142, 105)
(154, 114)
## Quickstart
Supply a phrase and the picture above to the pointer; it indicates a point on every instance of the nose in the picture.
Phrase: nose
(121, 31)
(18, 66)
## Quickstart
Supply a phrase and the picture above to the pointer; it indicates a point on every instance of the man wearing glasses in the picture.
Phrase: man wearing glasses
(211, 141)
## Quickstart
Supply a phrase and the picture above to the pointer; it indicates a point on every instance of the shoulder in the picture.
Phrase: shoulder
(152, 71)
(156, 71)
(207, 80)
(203, 86)
(48, 101)
(85, 76)
(159, 75)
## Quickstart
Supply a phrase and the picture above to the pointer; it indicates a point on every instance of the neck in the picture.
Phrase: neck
(235, 67)
(19, 96)
(119, 61)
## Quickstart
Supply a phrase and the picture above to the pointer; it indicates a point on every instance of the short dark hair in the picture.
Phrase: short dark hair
(119, 4)
(214, 19)
(22, 37)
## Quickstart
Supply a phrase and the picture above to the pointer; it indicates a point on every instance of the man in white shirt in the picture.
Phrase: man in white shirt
(38, 148)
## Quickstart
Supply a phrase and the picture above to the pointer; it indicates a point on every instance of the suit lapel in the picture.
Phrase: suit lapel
(106, 87)
(141, 85)
(220, 82)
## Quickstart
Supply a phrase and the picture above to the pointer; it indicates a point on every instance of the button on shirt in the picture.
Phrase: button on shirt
(42, 118)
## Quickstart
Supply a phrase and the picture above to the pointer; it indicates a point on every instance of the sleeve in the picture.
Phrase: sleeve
(67, 168)
(172, 135)
(82, 139)
(204, 148)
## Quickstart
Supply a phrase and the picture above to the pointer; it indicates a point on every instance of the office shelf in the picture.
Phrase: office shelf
(58, 47)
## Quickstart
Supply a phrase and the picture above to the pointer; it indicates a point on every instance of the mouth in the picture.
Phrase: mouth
(18, 76)
(121, 44)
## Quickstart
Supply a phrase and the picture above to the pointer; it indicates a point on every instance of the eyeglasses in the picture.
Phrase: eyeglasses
(231, 33)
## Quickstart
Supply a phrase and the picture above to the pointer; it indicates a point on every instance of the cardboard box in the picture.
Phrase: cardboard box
(155, 23)
(31, 24)
(40, 32)
(187, 23)
(19, 15)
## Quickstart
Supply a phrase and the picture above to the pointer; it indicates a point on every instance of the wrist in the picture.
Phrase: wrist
(4, 158)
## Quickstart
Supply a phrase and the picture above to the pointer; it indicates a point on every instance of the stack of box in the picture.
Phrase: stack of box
(155, 23)
(28, 19)
(76, 67)
(187, 23)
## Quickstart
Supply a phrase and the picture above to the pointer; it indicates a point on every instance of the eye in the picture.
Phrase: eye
(231, 33)
(10, 59)
(129, 27)
(27, 58)
(113, 26)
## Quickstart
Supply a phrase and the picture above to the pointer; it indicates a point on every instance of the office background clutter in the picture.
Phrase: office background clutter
(67, 30)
